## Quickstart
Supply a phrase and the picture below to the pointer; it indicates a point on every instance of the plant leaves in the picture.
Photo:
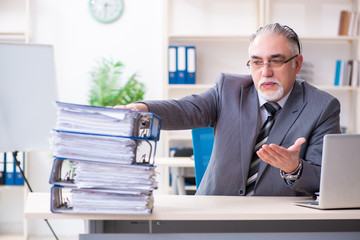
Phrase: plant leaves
(106, 85)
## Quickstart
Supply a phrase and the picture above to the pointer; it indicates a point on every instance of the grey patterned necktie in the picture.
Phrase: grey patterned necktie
(271, 108)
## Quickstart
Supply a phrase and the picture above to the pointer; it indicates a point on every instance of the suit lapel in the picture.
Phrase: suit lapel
(284, 121)
(249, 115)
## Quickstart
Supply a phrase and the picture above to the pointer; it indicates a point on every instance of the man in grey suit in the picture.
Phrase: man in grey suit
(291, 154)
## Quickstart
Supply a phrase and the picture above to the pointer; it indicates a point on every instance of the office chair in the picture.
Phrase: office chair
(203, 141)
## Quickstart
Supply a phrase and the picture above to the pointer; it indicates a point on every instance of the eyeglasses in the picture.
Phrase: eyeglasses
(273, 63)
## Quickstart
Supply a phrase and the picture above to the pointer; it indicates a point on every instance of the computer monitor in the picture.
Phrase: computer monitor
(27, 96)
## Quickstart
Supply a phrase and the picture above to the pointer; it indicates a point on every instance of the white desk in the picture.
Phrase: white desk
(218, 214)
(175, 164)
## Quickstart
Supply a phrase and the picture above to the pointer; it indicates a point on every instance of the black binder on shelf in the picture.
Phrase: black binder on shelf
(2, 168)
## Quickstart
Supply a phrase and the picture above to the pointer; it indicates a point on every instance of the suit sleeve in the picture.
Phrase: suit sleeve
(328, 123)
(192, 111)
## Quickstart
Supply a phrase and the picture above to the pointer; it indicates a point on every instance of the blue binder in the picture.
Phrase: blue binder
(190, 64)
(172, 63)
(181, 65)
(9, 169)
(18, 177)
(337, 73)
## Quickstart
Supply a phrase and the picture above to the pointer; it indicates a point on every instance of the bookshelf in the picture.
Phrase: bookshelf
(15, 20)
(14, 27)
(14, 225)
(220, 31)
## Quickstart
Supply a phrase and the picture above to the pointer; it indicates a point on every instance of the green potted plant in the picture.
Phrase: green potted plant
(108, 89)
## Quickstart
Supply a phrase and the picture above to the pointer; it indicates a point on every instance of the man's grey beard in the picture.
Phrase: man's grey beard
(271, 96)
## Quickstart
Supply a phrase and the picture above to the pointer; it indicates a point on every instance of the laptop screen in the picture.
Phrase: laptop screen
(339, 186)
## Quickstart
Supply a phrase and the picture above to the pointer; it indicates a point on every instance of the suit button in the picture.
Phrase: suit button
(241, 192)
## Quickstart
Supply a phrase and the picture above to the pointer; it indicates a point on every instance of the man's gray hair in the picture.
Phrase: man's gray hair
(279, 29)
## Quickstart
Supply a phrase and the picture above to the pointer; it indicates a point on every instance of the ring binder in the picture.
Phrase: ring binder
(104, 160)
(101, 201)
(107, 121)
(88, 174)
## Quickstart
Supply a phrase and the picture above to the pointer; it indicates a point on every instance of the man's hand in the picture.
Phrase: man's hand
(134, 106)
(279, 157)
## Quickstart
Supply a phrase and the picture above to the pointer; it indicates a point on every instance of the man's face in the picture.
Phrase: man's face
(270, 82)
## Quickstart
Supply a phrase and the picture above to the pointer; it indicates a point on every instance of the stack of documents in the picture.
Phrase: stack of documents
(104, 160)
(107, 121)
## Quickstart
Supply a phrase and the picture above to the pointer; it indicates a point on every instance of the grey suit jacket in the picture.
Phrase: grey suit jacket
(232, 109)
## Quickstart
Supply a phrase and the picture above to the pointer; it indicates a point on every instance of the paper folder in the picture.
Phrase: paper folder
(172, 64)
(18, 177)
(190, 64)
(99, 201)
(87, 174)
(107, 121)
(105, 148)
(9, 169)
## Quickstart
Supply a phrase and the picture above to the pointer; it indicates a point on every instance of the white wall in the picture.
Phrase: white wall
(79, 41)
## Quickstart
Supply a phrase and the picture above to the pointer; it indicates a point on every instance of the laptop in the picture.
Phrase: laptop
(339, 182)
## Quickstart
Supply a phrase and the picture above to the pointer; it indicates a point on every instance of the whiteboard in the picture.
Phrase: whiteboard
(27, 96)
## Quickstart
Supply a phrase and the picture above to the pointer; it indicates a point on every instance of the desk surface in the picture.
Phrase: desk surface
(222, 208)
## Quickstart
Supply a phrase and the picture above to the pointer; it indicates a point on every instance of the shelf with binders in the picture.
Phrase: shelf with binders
(309, 18)
(10, 174)
(203, 25)
(12, 196)
(212, 57)
(182, 64)
(220, 32)
(317, 22)
(318, 25)
(320, 58)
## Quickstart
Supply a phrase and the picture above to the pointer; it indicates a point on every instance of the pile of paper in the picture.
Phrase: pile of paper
(103, 160)
(93, 147)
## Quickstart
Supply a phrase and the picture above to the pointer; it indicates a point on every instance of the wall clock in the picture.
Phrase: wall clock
(106, 11)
